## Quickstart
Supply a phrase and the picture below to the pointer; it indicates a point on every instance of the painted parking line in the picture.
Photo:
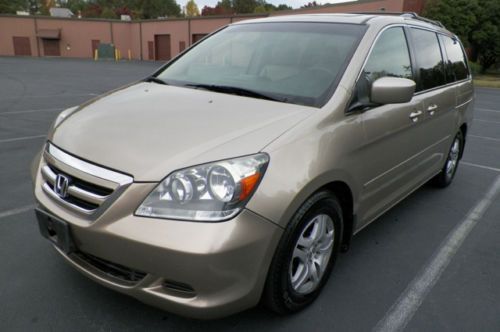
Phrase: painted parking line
(480, 166)
(8, 140)
(51, 96)
(32, 111)
(18, 210)
(487, 121)
(486, 110)
(485, 137)
(402, 311)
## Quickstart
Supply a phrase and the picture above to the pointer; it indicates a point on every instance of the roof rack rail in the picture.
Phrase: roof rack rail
(412, 15)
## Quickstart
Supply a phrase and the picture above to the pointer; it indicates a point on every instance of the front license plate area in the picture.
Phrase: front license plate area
(55, 230)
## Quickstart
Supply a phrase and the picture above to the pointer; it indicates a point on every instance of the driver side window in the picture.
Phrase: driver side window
(389, 57)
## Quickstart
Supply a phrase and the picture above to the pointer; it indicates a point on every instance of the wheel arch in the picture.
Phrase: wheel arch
(463, 129)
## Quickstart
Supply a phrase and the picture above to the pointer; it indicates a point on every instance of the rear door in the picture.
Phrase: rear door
(458, 74)
(438, 97)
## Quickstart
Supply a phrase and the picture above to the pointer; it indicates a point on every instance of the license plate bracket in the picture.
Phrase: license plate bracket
(55, 230)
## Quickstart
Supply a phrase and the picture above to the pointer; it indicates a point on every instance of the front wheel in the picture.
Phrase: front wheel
(445, 177)
(305, 256)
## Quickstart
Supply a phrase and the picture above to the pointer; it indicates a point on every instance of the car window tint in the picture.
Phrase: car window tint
(298, 63)
(430, 65)
(389, 57)
(456, 61)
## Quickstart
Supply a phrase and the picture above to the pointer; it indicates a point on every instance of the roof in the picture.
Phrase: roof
(60, 12)
(355, 18)
(326, 18)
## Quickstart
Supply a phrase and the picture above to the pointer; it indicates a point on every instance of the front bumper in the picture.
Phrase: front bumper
(194, 269)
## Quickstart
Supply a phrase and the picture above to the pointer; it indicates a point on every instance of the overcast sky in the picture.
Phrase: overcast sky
(292, 3)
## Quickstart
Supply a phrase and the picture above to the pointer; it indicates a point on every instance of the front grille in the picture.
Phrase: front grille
(79, 185)
(112, 270)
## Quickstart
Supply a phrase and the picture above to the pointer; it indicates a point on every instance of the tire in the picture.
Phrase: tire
(287, 290)
(445, 177)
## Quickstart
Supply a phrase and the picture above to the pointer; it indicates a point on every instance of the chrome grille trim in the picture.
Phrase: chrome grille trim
(92, 188)
(48, 190)
(87, 167)
(73, 190)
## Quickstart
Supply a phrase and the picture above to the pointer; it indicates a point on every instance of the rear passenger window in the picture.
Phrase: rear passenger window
(456, 61)
(389, 57)
(430, 65)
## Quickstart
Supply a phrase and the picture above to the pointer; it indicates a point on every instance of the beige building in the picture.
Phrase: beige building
(146, 39)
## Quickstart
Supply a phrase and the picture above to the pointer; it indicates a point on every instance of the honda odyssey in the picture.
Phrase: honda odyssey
(238, 171)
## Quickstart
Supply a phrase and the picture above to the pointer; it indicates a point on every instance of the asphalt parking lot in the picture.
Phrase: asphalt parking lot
(416, 257)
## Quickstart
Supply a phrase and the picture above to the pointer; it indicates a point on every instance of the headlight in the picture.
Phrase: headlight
(210, 192)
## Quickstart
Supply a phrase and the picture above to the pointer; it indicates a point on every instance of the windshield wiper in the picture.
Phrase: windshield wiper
(155, 80)
(235, 91)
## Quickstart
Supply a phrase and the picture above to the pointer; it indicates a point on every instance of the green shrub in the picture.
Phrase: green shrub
(475, 68)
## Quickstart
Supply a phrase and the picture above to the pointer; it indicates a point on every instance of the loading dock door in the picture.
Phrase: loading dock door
(51, 47)
(22, 46)
(198, 36)
(162, 47)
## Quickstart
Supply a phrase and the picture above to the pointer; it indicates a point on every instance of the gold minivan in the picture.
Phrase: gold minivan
(239, 170)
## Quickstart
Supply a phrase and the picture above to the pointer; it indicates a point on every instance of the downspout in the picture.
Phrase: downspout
(36, 37)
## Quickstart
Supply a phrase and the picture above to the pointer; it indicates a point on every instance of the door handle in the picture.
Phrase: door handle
(432, 109)
(414, 115)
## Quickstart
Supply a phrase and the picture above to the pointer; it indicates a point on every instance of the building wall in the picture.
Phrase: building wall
(205, 26)
(16, 27)
(77, 34)
(416, 6)
(177, 29)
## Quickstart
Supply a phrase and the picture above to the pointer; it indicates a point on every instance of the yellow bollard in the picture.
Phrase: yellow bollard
(96, 54)
(129, 55)
(116, 54)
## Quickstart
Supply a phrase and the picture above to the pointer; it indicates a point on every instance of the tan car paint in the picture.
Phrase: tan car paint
(166, 145)
(377, 157)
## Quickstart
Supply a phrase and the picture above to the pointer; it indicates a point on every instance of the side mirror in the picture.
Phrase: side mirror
(392, 90)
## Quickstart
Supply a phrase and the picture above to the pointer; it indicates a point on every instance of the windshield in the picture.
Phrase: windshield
(297, 63)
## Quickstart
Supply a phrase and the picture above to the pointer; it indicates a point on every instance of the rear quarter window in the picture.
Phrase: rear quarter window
(429, 61)
(456, 63)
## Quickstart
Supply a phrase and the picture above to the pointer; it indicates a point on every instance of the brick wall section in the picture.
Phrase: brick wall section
(77, 34)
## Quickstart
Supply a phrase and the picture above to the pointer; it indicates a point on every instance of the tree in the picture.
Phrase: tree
(192, 9)
(159, 8)
(12, 6)
(92, 10)
(311, 4)
(225, 4)
(475, 22)
(76, 5)
(108, 13)
(245, 6)
(46, 5)
(223, 7)
(283, 7)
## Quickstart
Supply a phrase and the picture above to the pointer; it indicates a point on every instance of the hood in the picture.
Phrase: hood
(148, 130)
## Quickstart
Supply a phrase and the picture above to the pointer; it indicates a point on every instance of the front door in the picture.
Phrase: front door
(393, 153)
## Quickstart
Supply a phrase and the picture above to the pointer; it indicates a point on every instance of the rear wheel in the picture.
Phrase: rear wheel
(445, 177)
(305, 256)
